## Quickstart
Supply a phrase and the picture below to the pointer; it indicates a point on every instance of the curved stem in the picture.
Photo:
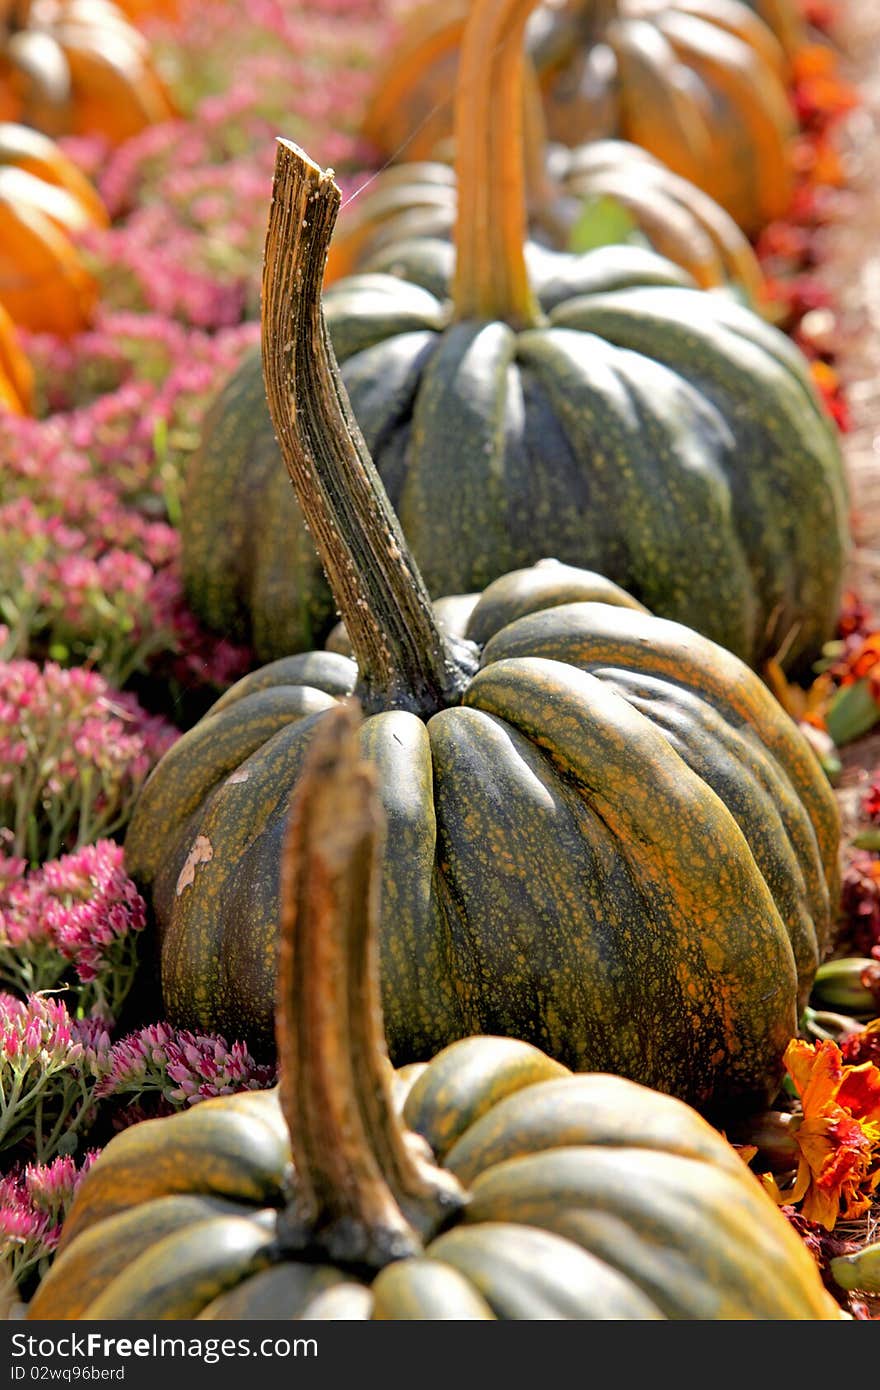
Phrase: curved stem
(403, 659)
(491, 281)
(362, 1194)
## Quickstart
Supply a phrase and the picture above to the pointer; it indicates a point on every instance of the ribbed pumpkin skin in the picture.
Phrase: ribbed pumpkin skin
(44, 202)
(617, 847)
(591, 1197)
(249, 566)
(666, 438)
(78, 67)
(701, 84)
(784, 17)
(16, 375)
(678, 220)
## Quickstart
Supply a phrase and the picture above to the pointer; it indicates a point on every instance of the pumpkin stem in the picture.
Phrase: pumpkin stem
(363, 1193)
(403, 659)
(539, 185)
(491, 280)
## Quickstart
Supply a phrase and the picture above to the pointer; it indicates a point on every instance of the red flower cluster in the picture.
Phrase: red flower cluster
(797, 296)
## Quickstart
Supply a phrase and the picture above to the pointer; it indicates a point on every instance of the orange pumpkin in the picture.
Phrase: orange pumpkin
(16, 376)
(785, 19)
(78, 67)
(44, 202)
(136, 10)
(700, 84)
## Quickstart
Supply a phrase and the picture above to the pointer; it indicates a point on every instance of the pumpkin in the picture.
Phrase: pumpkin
(595, 408)
(78, 67)
(137, 10)
(606, 837)
(16, 374)
(45, 202)
(786, 20)
(701, 84)
(676, 218)
(511, 1189)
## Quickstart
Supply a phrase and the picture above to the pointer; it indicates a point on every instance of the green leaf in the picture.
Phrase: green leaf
(602, 222)
(852, 712)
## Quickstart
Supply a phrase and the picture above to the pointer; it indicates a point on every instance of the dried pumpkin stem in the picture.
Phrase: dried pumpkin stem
(403, 659)
(362, 1194)
(491, 280)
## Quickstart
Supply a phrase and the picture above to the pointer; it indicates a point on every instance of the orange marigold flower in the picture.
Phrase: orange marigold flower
(838, 1135)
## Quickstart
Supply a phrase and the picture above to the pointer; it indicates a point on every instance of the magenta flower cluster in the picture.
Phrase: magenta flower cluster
(57, 1072)
(179, 1067)
(48, 1068)
(71, 921)
(89, 562)
(34, 1201)
(73, 756)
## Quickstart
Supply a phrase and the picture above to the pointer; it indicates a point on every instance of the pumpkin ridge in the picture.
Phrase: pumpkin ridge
(525, 1272)
(415, 953)
(627, 1186)
(84, 1267)
(788, 843)
(585, 636)
(581, 960)
(385, 379)
(653, 479)
(771, 399)
(366, 309)
(533, 1119)
(682, 844)
(470, 381)
(197, 979)
(180, 1273)
(203, 757)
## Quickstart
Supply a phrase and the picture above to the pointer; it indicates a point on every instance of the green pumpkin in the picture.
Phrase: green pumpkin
(701, 84)
(521, 1191)
(607, 838)
(599, 409)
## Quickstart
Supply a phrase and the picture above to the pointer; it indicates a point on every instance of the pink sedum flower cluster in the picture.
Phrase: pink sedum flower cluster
(34, 1201)
(73, 756)
(73, 920)
(180, 1068)
(48, 1068)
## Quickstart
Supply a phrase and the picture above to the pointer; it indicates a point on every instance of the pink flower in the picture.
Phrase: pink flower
(72, 921)
(179, 1067)
(49, 1066)
(34, 1201)
(73, 756)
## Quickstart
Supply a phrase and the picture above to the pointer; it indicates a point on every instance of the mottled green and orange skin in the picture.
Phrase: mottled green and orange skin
(617, 846)
(589, 1197)
(666, 438)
